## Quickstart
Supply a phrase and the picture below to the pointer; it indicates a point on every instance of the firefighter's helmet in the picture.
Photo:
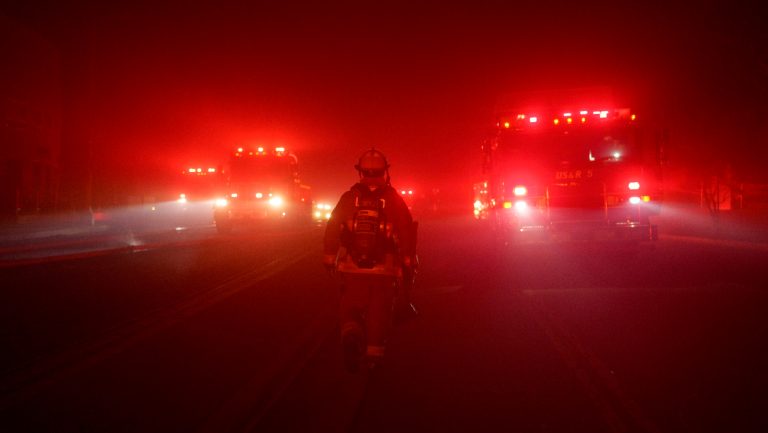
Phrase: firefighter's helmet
(372, 163)
(372, 160)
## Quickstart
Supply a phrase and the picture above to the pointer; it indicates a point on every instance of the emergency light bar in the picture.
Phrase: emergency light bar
(566, 117)
(199, 171)
(279, 151)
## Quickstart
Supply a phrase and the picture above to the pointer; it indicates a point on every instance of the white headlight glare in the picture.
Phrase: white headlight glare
(276, 201)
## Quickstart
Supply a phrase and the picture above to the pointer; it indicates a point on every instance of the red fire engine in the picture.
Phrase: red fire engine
(572, 172)
(263, 185)
(198, 184)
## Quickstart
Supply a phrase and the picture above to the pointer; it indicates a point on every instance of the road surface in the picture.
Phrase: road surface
(192, 331)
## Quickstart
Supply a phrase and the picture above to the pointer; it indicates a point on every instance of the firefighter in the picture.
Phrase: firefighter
(370, 242)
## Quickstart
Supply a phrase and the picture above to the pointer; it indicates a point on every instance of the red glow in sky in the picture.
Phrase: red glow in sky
(174, 84)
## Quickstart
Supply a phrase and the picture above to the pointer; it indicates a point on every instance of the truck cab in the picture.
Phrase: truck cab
(263, 187)
(569, 174)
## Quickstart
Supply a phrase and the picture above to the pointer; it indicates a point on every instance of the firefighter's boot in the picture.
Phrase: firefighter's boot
(352, 343)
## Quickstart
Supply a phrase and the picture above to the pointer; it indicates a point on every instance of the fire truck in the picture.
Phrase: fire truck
(194, 191)
(570, 172)
(262, 187)
(198, 184)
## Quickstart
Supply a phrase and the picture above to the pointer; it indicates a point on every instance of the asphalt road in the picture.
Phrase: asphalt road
(197, 332)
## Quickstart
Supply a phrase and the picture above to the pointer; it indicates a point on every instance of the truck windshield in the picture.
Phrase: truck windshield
(262, 169)
(201, 185)
(552, 146)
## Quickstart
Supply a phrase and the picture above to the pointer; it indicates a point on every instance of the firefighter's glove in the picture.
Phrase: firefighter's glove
(329, 263)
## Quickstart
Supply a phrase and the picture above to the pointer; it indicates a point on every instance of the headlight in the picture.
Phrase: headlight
(221, 202)
(275, 201)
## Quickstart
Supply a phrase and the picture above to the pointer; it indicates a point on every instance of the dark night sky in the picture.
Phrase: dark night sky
(176, 84)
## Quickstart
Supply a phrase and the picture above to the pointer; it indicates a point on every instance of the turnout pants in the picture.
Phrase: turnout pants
(366, 309)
